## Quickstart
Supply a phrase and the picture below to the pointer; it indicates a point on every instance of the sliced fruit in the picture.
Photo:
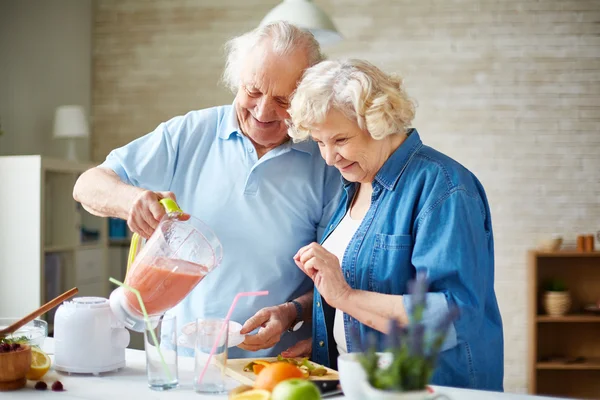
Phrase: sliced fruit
(256, 368)
(40, 364)
(277, 372)
(262, 362)
(254, 394)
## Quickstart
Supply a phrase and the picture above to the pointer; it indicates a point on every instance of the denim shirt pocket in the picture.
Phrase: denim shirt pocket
(388, 269)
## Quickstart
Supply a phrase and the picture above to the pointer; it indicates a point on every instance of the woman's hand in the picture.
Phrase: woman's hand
(146, 212)
(301, 349)
(324, 269)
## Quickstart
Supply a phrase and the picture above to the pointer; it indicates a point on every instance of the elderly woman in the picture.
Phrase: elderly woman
(405, 208)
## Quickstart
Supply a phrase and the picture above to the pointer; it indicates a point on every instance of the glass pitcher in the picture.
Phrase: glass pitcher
(179, 254)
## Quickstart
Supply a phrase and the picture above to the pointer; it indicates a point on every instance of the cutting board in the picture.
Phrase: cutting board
(235, 369)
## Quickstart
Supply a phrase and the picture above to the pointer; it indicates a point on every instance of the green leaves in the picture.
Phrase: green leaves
(11, 340)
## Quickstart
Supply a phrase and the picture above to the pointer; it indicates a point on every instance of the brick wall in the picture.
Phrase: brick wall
(509, 88)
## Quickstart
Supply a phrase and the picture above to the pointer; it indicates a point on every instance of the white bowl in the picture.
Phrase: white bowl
(188, 335)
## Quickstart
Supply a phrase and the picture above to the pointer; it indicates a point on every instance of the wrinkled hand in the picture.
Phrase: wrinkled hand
(146, 212)
(301, 349)
(273, 321)
(324, 269)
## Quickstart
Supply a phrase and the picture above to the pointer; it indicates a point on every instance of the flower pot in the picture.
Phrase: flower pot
(376, 394)
(352, 374)
(557, 304)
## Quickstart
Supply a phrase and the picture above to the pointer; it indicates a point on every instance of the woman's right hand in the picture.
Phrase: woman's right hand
(146, 212)
(301, 349)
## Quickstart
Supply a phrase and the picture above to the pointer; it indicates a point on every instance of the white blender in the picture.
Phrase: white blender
(89, 332)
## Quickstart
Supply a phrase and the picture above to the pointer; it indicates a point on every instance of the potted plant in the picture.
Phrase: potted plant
(413, 352)
(557, 299)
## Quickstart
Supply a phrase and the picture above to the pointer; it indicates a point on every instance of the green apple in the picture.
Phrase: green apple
(296, 389)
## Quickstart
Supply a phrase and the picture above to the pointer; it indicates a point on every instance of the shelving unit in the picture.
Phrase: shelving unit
(564, 357)
(48, 242)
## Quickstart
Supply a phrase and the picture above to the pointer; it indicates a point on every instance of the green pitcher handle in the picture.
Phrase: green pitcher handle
(170, 207)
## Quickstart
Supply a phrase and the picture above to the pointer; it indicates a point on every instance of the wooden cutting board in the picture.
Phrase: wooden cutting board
(235, 369)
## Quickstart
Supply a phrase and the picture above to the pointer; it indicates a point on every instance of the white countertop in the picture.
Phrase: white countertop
(130, 383)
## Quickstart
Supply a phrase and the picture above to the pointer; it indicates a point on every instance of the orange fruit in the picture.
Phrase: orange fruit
(274, 373)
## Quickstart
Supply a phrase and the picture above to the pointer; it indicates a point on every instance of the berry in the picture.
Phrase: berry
(5, 347)
(57, 386)
(41, 385)
(16, 346)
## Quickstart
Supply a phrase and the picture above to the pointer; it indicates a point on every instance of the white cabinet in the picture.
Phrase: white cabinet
(48, 242)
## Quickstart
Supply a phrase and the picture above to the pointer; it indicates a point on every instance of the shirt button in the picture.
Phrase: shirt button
(318, 304)
(250, 150)
(321, 343)
(347, 274)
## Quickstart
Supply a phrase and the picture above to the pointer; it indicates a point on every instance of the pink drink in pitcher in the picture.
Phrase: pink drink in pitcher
(163, 284)
(179, 254)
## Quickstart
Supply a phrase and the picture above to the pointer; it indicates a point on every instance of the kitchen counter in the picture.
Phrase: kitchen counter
(130, 383)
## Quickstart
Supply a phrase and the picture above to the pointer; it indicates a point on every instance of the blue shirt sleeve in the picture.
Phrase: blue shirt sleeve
(451, 246)
(149, 161)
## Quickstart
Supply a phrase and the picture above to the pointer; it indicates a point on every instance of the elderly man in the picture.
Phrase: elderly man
(235, 168)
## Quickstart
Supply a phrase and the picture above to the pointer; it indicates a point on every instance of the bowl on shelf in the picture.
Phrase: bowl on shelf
(14, 366)
(550, 244)
(35, 331)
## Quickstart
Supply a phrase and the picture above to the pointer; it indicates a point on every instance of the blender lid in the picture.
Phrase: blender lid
(88, 302)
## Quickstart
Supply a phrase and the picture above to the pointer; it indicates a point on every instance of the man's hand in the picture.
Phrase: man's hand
(146, 212)
(273, 321)
(301, 349)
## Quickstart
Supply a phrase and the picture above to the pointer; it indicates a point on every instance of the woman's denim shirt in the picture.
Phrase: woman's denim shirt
(428, 213)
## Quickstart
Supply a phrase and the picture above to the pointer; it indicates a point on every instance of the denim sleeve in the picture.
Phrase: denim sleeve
(451, 246)
(332, 194)
(147, 162)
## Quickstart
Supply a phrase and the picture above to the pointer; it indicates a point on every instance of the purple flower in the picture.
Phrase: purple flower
(416, 339)
(418, 291)
(394, 335)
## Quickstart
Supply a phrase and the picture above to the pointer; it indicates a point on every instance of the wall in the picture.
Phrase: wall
(45, 61)
(509, 88)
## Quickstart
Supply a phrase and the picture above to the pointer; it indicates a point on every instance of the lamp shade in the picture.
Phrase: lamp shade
(305, 14)
(70, 122)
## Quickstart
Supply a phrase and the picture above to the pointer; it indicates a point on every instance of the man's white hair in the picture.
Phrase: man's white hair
(358, 89)
(285, 39)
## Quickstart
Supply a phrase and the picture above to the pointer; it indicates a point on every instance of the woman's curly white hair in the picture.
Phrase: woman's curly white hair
(361, 91)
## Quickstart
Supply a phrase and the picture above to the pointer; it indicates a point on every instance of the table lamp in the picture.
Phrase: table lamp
(305, 14)
(70, 123)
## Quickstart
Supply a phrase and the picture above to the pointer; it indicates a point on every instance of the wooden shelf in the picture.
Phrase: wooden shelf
(119, 242)
(72, 247)
(572, 335)
(90, 245)
(590, 365)
(566, 253)
(54, 248)
(569, 318)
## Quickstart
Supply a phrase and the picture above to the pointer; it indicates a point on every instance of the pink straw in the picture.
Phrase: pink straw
(214, 348)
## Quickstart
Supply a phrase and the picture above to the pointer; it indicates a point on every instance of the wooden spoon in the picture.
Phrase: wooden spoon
(46, 307)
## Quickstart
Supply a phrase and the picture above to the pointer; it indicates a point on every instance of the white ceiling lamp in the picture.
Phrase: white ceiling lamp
(305, 14)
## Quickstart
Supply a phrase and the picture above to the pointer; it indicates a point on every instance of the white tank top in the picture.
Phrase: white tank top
(336, 243)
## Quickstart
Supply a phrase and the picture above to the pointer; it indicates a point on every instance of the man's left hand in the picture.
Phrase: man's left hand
(273, 321)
